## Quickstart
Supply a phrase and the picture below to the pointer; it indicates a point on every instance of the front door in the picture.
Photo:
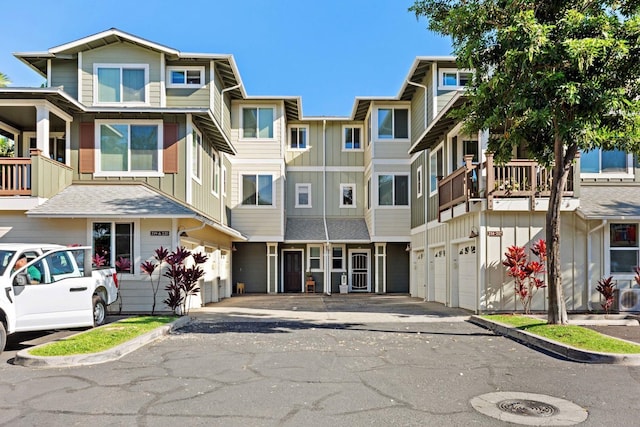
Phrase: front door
(359, 278)
(292, 271)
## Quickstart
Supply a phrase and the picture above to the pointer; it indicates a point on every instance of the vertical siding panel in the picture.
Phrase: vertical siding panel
(87, 147)
(170, 154)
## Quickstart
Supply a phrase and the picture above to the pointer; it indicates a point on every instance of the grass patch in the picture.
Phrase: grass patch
(575, 336)
(103, 338)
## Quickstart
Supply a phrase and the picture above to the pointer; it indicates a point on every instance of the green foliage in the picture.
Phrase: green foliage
(104, 337)
(7, 147)
(4, 80)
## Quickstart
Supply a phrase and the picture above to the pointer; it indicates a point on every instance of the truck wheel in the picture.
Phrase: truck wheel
(3, 336)
(99, 310)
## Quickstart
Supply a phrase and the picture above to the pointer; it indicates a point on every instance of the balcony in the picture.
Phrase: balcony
(518, 179)
(38, 176)
(15, 176)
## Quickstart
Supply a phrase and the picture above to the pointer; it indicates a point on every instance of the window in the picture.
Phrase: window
(298, 137)
(185, 77)
(133, 148)
(303, 195)
(451, 78)
(257, 123)
(393, 123)
(623, 248)
(112, 241)
(215, 174)
(337, 258)
(605, 161)
(368, 193)
(436, 169)
(351, 137)
(419, 182)
(393, 190)
(459, 151)
(347, 195)
(314, 260)
(196, 155)
(257, 190)
(118, 84)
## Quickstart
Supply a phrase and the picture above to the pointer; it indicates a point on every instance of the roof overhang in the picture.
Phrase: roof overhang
(441, 124)
(292, 105)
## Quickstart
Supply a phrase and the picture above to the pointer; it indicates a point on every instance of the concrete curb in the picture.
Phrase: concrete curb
(24, 358)
(556, 348)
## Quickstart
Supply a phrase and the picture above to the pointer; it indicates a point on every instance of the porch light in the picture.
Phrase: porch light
(408, 248)
(474, 232)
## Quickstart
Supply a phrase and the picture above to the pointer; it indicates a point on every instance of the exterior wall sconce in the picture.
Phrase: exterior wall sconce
(233, 248)
(474, 232)
(408, 248)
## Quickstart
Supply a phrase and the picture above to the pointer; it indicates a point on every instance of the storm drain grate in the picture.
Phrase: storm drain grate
(529, 408)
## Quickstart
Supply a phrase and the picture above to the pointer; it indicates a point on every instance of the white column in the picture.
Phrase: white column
(381, 268)
(67, 143)
(272, 268)
(42, 129)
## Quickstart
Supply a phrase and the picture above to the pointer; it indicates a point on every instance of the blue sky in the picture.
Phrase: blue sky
(328, 52)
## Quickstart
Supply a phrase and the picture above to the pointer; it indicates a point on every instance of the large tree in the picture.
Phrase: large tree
(560, 76)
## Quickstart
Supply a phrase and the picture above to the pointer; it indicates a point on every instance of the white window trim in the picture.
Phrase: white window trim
(96, 101)
(433, 153)
(608, 249)
(353, 192)
(419, 182)
(442, 71)
(171, 85)
(344, 140)
(257, 138)
(306, 147)
(612, 175)
(344, 258)
(273, 204)
(299, 188)
(223, 184)
(393, 188)
(320, 257)
(135, 260)
(215, 173)
(376, 130)
(197, 177)
(100, 173)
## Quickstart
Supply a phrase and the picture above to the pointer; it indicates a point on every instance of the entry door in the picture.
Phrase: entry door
(359, 278)
(467, 276)
(292, 271)
(440, 275)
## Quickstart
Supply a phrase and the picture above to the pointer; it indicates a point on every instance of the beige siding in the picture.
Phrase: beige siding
(16, 227)
(392, 222)
(203, 198)
(121, 53)
(259, 149)
(418, 105)
(65, 73)
(392, 149)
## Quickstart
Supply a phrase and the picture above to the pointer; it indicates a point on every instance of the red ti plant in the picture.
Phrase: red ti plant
(606, 287)
(149, 267)
(526, 273)
(183, 281)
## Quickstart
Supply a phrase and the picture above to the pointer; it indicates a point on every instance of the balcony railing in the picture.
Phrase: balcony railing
(515, 179)
(15, 176)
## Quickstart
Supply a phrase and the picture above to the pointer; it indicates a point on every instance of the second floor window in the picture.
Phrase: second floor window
(393, 190)
(605, 161)
(257, 190)
(451, 78)
(185, 77)
(303, 195)
(257, 123)
(129, 148)
(351, 137)
(298, 137)
(419, 181)
(393, 123)
(347, 195)
(121, 84)
(196, 155)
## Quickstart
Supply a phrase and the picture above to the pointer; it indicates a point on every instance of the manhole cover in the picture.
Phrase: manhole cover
(530, 408)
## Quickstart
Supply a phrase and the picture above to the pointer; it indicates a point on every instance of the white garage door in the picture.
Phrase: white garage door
(467, 276)
(419, 279)
(440, 275)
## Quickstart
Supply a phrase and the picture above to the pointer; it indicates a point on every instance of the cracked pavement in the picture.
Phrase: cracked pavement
(236, 371)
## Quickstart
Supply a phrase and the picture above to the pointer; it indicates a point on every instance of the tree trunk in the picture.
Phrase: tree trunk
(557, 314)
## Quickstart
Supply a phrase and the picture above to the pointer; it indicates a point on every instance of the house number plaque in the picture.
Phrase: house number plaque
(494, 233)
(159, 233)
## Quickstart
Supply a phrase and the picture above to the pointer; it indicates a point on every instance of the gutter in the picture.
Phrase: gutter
(327, 275)
(589, 250)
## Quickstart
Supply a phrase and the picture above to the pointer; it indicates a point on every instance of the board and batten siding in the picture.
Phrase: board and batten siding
(16, 227)
(189, 97)
(202, 197)
(418, 203)
(121, 53)
(418, 104)
(334, 196)
(392, 222)
(65, 73)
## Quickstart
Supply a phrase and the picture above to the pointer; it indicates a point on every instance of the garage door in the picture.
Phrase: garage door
(440, 275)
(467, 276)
(419, 279)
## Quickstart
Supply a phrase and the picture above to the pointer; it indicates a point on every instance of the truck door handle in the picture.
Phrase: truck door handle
(8, 292)
(78, 289)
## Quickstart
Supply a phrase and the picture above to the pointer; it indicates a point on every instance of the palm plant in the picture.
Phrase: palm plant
(4, 80)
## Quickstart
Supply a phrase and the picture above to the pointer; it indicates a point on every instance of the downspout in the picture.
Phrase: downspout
(425, 99)
(327, 274)
(604, 222)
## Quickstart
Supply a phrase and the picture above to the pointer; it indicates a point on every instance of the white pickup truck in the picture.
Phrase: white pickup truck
(56, 288)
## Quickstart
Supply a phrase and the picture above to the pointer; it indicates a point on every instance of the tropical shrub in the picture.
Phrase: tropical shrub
(606, 287)
(526, 273)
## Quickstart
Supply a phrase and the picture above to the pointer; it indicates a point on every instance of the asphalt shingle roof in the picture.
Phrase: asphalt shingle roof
(340, 230)
(605, 201)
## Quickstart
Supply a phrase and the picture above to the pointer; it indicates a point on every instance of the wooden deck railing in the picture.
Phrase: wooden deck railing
(15, 176)
(517, 178)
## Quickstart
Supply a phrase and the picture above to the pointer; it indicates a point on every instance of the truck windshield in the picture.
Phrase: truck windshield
(5, 258)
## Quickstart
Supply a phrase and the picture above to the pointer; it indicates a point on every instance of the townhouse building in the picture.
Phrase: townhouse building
(132, 145)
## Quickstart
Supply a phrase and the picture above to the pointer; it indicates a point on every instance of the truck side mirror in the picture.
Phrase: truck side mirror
(21, 279)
